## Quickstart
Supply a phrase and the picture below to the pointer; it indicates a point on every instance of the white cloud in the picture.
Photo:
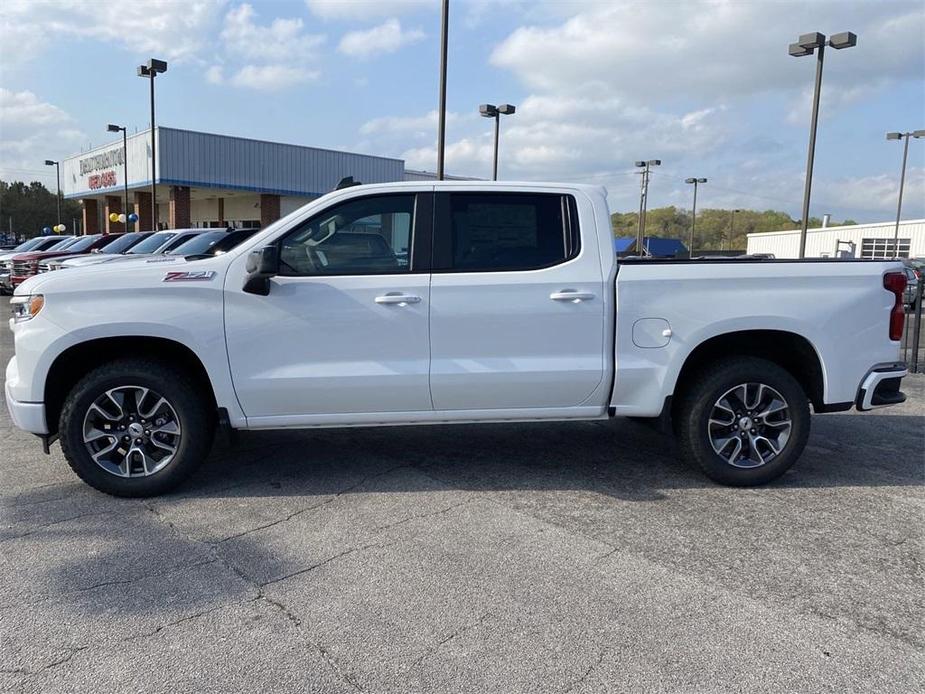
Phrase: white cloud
(169, 29)
(709, 49)
(31, 130)
(281, 41)
(385, 38)
(406, 125)
(366, 9)
(275, 56)
(271, 77)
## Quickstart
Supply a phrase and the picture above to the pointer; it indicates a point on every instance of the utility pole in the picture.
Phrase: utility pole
(696, 182)
(643, 201)
(902, 180)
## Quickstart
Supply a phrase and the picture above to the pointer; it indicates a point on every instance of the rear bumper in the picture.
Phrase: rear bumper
(28, 416)
(880, 387)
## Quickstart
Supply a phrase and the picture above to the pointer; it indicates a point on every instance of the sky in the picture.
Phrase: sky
(706, 86)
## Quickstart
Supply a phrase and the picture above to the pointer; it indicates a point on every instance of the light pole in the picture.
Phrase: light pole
(151, 70)
(441, 114)
(643, 200)
(806, 45)
(902, 179)
(732, 229)
(492, 111)
(114, 129)
(696, 182)
(57, 165)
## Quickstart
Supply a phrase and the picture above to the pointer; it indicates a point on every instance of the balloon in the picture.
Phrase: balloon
(122, 218)
(60, 228)
(114, 217)
(133, 217)
(46, 230)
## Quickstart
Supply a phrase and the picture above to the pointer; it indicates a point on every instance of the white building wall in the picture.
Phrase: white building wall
(821, 243)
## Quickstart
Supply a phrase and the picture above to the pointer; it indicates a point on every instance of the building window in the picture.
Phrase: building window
(883, 249)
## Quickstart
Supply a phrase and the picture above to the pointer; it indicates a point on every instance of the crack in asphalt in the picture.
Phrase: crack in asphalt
(429, 514)
(39, 528)
(71, 652)
(312, 507)
(577, 683)
(380, 545)
(432, 651)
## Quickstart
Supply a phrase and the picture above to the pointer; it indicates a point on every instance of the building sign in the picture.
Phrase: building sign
(103, 160)
(107, 179)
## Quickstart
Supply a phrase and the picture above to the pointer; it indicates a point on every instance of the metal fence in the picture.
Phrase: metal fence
(912, 338)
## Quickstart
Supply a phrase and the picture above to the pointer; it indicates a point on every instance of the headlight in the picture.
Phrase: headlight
(26, 307)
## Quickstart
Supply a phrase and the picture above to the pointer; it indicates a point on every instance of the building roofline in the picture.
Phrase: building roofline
(842, 227)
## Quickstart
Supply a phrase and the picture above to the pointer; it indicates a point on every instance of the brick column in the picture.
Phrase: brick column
(179, 210)
(113, 204)
(143, 210)
(91, 216)
(269, 209)
(221, 212)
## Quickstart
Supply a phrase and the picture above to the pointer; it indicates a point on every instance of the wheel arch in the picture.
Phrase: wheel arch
(789, 350)
(79, 359)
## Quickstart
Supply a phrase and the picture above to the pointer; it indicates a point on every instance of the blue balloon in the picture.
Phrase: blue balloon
(133, 217)
(46, 230)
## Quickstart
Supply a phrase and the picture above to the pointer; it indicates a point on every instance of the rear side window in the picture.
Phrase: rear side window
(497, 232)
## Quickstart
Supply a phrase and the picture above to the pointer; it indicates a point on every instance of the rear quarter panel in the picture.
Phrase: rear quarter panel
(841, 308)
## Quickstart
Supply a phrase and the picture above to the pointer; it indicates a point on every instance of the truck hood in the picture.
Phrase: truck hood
(128, 275)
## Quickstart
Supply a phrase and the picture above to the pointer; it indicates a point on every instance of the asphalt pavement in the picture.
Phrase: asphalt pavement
(574, 557)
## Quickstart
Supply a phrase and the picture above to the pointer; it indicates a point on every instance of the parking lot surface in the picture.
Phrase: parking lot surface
(579, 557)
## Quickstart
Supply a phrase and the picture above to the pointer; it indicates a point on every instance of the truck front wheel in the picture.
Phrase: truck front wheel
(135, 427)
(744, 421)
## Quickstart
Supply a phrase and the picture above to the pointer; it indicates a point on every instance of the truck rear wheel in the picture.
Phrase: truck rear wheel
(135, 427)
(743, 422)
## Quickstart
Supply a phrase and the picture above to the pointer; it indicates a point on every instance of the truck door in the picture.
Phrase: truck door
(517, 310)
(344, 326)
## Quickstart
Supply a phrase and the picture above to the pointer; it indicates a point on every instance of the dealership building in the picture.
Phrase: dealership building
(850, 241)
(209, 180)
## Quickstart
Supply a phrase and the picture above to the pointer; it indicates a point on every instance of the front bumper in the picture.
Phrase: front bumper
(880, 388)
(6, 281)
(28, 416)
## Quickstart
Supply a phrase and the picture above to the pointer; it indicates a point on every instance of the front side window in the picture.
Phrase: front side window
(494, 232)
(365, 236)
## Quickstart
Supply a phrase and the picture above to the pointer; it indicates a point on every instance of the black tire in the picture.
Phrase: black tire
(193, 410)
(696, 405)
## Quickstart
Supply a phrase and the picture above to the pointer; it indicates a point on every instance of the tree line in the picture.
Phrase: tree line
(716, 229)
(27, 208)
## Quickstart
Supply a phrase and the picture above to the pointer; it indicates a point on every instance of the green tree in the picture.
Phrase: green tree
(717, 229)
(31, 207)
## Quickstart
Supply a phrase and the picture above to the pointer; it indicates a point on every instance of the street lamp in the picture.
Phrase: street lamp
(696, 182)
(151, 70)
(643, 200)
(57, 165)
(492, 111)
(806, 45)
(441, 109)
(902, 179)
(114, 129)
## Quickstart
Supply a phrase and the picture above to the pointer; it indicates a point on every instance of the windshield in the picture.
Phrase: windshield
(123, 243)
(179, 240)
(62, 244)
(152, 243)
(200, 243)
(30, 244)
(81, 244)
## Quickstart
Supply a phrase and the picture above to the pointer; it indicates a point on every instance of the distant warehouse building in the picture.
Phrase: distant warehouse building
(209, 180)
(850, 241)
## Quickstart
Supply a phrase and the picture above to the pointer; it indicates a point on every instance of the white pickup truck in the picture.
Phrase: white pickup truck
(448, 302)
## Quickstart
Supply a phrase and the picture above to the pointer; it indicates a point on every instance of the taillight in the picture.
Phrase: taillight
(896, 282)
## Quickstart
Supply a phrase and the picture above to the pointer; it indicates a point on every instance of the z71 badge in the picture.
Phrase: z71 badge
(198, 276)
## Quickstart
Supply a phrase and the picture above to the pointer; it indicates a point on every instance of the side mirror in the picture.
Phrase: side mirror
(262, 264)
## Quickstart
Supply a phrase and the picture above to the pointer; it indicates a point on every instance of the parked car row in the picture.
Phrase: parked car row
(48, 254)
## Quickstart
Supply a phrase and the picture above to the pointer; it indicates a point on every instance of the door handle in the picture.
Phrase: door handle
(398, 298)
(571, 295)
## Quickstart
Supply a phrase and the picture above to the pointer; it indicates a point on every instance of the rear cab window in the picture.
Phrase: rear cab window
(504, 232)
